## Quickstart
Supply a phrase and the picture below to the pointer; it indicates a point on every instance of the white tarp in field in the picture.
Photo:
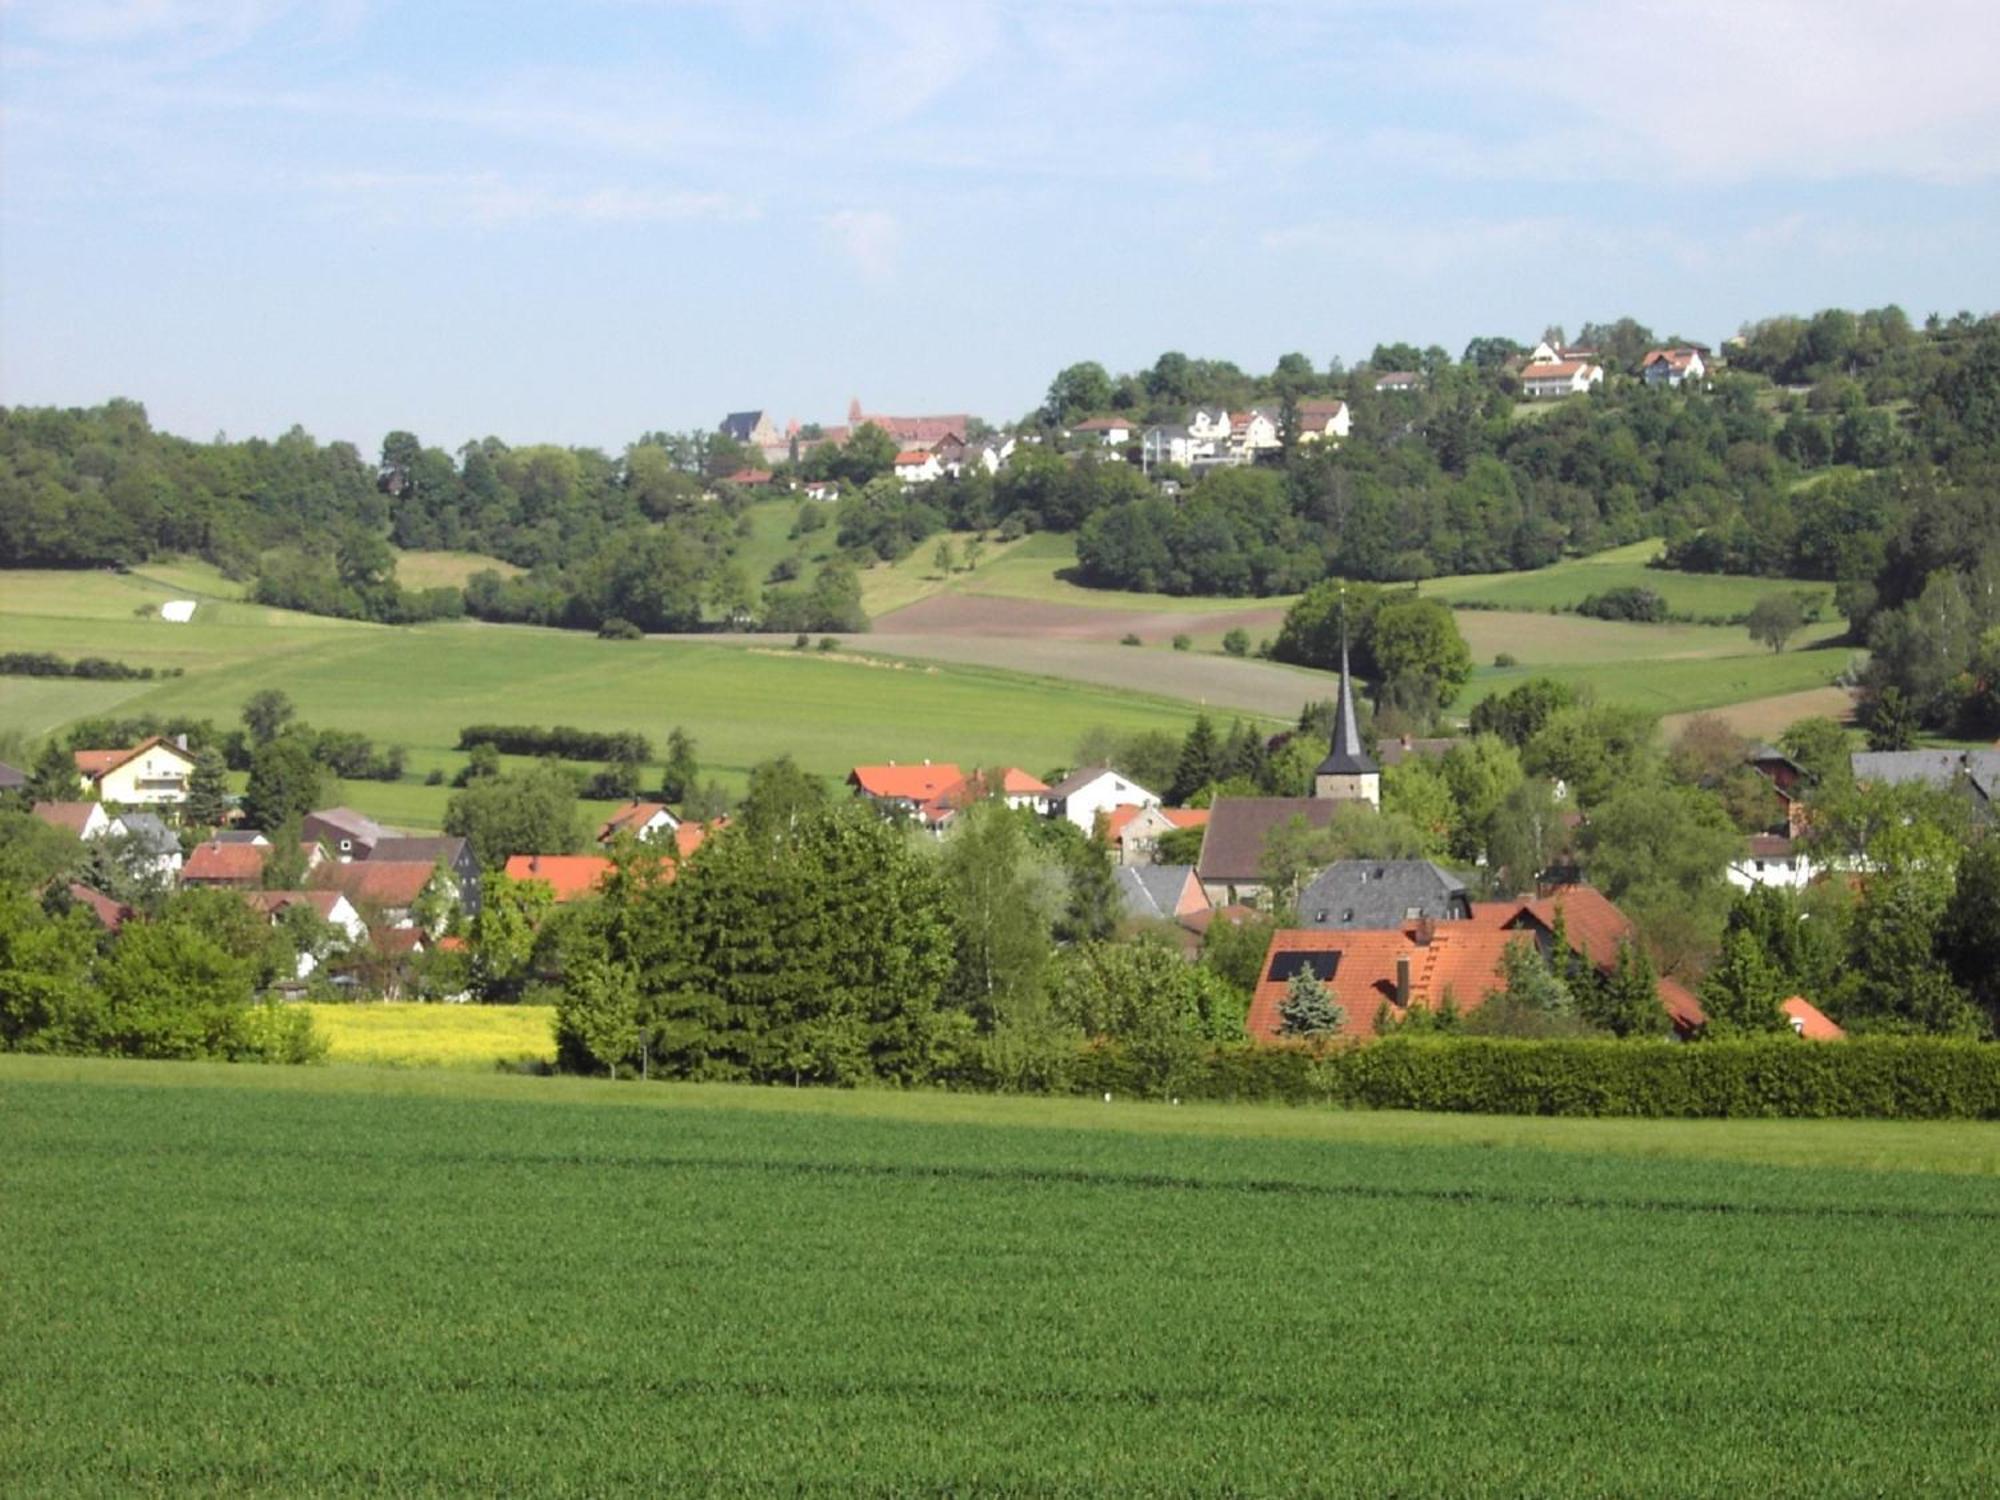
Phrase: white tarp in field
(177, 611)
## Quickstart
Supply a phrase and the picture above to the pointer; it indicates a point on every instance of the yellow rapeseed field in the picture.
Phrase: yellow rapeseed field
(437, 1036)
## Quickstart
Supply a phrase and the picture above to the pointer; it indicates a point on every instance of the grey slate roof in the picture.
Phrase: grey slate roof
(149, 834)
(1378, 894)
(1078, 779)
(740, 424)
(430, 850)
(1152, 891)
(1975, 770)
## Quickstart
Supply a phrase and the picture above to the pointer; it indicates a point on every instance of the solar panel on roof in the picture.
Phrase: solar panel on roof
(1287, 966)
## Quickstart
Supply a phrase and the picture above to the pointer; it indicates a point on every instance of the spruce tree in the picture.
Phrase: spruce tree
(1198, 764)
(54, 778)
(1308, 1009)
(207, 802)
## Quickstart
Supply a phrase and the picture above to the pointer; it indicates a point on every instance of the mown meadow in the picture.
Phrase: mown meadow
(332, 1280)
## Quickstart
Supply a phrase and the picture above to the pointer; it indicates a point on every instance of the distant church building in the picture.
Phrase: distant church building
(1348, 774)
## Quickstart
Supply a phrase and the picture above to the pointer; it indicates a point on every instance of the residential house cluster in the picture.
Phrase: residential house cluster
(1215, 437)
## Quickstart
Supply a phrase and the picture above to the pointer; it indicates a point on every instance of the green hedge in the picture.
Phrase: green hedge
(1886, 1078)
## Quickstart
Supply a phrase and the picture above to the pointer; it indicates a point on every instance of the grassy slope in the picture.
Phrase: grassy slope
(417, 687)
(333, 1280)
(1573, 580)
(428, 570)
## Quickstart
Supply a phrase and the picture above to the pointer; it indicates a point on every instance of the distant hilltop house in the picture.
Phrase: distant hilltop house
(1552, 380)
(909, 432)
(1112, 432)
(755, 429)
(918, 466)
(1546, 353)
(1398, 380)
(152, 772)
(1670, 367)
(1329, 420)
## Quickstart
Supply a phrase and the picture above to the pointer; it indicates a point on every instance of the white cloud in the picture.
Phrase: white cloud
(869, 238)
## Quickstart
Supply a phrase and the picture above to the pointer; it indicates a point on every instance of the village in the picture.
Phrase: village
(1392, 937)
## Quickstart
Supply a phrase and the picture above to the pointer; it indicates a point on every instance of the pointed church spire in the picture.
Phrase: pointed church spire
(1346, 757)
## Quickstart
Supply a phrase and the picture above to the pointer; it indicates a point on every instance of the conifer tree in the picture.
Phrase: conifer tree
(1308, 1009)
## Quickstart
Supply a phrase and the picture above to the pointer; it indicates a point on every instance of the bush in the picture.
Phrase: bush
(1889, 1078)
(1778, 1077)
(1183, 643)
(1506, 659)
(828, 643)
(1236, 642)
(616, 629)
(1632, 603)
(1130, 639)
(563, 742)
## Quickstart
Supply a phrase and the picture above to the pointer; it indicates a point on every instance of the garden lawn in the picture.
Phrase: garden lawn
(337, 1280)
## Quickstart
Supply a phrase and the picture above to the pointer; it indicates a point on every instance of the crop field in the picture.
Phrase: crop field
(336, 1280)
(418, 686)
(409, 1035)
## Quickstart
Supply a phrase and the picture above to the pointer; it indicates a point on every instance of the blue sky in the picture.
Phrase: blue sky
(575, 222)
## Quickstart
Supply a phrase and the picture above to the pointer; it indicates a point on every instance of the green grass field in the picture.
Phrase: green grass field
(418, 686)
(1568, 583)
(335, 1280)
(430, 570)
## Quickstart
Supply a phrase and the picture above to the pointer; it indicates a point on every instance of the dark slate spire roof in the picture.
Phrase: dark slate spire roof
(1346, 758)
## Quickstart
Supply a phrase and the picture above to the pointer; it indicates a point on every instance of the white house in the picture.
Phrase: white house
(1546, 353)
(645, 821)
(918, 466)
(1252, 432)
(1168, 445)
(1324, 419)
(1209, 424)
(151, 849)
(1112, 432)
(331, 907)
(87, 820)
(822, 489)
(1568, 377)
(1669, 367)
(1771, 859)
(1398, 380)
(1083, 795)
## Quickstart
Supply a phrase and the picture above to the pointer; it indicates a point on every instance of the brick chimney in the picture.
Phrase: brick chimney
(1426, 929)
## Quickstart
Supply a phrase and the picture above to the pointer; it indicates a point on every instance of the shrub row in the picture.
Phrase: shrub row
(97, 668)
(1884, 1078)
(563, 742)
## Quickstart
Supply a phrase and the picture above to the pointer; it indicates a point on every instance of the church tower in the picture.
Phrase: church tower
(1348, 773)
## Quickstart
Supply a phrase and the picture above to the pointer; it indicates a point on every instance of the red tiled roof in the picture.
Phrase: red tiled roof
(111, 915)
(923, 430)
(1461, 957)
(94, 763)
(750, 476)
(214, 863)
(1810, 1021)
(1770, 846)
(1102, 424)
(571, 876)
(631, 818)
(72, 817)
(377, 882)
(691, 836)
(273, 902)
(396, 941)
(918, 783)
(1014, 782)
(1594, 927)
(913, 456)
(1560, 370)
